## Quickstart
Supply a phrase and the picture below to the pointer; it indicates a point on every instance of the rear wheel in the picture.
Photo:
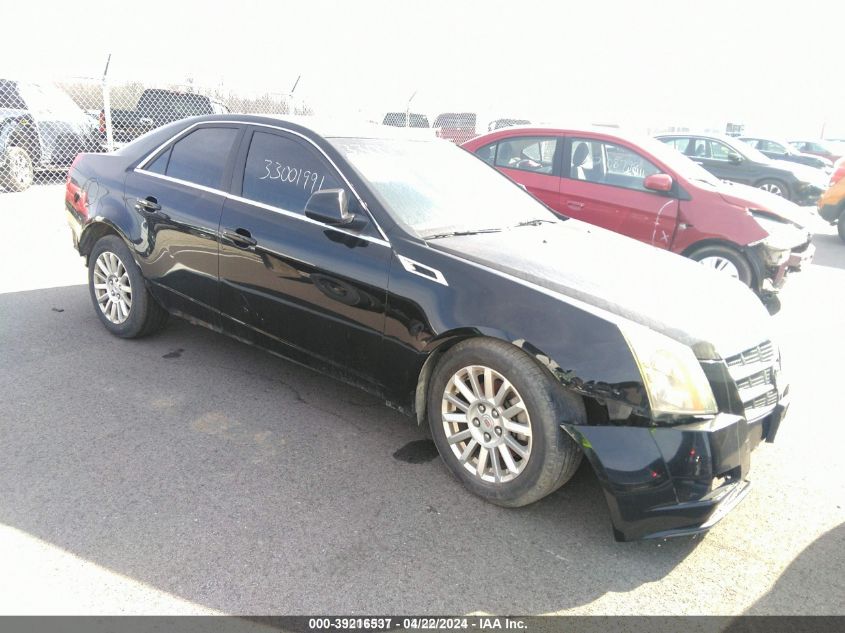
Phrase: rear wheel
(725, 260)
(774, 186)
(19, 173)
(495, 417)
(120, 296)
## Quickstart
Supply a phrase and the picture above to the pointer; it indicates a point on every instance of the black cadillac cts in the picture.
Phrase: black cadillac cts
(415, 271)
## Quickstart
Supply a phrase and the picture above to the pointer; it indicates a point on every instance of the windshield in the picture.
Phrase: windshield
(752, 153)
(675, 160)
(47, 101)
(434, 187)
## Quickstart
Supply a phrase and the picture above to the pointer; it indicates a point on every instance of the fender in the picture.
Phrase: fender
(587, 354)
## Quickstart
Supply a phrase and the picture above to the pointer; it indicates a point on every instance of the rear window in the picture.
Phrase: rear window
(201, 156)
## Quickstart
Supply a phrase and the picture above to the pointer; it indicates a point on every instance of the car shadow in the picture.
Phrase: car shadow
(804, 587)
(830, 251)
(240, 481)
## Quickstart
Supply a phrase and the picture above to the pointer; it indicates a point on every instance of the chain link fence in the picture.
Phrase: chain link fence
(45, 124)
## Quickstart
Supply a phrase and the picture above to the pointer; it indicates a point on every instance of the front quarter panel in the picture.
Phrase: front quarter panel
(583, 350)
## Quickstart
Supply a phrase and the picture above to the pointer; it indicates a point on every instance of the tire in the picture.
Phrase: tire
(127, 314)
(19, 174)
(840, 225)
(776, 187)
(721, 259)
(551, 456)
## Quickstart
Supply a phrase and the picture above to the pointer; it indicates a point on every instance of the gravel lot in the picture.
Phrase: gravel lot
(188, 473)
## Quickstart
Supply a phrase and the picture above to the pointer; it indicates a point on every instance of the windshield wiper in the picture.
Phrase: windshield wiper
(459, 233)
(535, 222)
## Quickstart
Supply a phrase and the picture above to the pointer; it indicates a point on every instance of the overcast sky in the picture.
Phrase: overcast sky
(775, 66)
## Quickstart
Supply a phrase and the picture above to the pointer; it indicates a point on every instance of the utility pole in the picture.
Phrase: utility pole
(408, 110)
(107, 107)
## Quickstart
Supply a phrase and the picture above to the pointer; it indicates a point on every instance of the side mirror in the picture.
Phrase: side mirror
(658, 182)
(734, 158)
(329, 206)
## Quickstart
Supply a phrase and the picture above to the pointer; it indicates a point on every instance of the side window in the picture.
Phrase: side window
(776, 148)
(283, 172)
(487, 153)
(720, 151)
(200, 157)
(159, 165)
(758, 144)
(607, 163)
(535, 154)
(682, 144)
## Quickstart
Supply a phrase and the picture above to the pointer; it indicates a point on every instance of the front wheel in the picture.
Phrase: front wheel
(495, 417)
(774, 186)
(120, 296)
(19, 172)
(724, 260)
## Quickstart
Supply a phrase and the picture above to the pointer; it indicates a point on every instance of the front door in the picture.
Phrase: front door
(313, 292)
(603, 185)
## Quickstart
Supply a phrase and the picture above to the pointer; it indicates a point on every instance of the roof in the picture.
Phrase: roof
(333, 127)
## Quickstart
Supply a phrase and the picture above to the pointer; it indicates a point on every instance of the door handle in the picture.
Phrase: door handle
(240, 237)
(575, 205)
(149, 204)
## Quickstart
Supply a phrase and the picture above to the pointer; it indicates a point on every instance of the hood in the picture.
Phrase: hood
(713, 314)
(760, 200)
(10, 113)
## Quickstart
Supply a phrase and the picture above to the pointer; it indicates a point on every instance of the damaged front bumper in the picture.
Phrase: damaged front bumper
(673, 480)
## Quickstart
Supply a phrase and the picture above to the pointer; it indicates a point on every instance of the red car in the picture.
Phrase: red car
(644, 189)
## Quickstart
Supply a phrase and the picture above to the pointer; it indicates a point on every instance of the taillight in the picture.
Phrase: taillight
(102, 121)
(72, 165)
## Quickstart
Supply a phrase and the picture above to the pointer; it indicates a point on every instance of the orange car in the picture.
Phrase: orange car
(832, 205)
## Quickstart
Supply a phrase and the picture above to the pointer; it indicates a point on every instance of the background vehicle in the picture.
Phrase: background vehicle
(832, 205)
(457, 127)
(41, 129)
(733, 160)
(460, 300)
(782, 150)
(405, 119)
(838, 171)
(156, 108)
(830, 150)
(498, 124)
(641, 188)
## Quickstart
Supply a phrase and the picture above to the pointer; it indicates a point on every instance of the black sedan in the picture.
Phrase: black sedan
(782, 150)
(413, 270)
(730, 159)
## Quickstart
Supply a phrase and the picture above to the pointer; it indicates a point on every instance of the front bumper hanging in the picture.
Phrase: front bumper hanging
(673, 481)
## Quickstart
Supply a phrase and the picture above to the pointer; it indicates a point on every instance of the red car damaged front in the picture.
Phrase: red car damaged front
(639, 187)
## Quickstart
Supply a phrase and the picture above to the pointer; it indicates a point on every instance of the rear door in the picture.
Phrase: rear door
(177, 198)
(603, 185)
(313, 292)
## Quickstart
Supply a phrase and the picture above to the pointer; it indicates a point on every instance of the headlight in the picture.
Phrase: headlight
(783, 236)
(673, 377)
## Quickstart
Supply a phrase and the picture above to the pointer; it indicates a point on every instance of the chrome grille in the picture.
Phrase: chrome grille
(754, 374)
(762, 353)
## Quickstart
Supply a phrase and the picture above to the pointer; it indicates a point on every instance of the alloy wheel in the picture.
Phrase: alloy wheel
(772, 188)
(721, 265)
(487, 424)
(112, 287)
